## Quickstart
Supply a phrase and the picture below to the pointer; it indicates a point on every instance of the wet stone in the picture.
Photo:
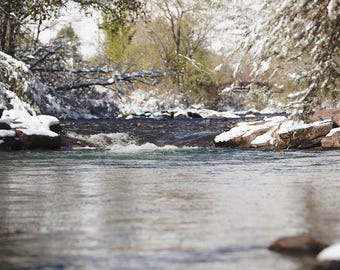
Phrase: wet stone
(297, 245)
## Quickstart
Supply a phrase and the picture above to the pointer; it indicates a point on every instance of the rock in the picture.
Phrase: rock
(10, 143)
(331, 265)
(56, 128)
(38, 141)
(5, 126)
(326, 114)
(297, 135)
(246, 132)
(332, 139)
(336, 118)
(194, 115)
(297, 245)
(20, 130)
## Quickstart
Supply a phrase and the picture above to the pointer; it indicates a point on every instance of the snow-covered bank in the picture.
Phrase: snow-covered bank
(282, 133)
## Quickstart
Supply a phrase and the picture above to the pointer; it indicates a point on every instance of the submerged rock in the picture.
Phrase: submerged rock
(320, 255)
(297, 246)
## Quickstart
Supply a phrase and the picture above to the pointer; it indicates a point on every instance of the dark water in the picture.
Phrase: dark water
(148, 207)
(178, 132)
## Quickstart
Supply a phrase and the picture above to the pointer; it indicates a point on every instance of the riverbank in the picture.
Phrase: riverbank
(282, 133)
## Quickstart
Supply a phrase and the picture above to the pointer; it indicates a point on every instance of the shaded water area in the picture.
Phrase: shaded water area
(141, 206)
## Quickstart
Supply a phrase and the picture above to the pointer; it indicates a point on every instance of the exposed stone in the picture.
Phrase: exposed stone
(306, 136)
(331, 265)
(297, 245)
(336, 118)
(332, 140)
(194, 115)
(56, 128)
(11, 143)
(38, 141)
(4, 126)
(326, 114)
(248, 138)
(245, 133)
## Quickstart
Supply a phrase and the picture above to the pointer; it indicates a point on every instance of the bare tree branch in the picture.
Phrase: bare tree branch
(143, 76)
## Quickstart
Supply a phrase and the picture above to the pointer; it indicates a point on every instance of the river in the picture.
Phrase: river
(144, 205)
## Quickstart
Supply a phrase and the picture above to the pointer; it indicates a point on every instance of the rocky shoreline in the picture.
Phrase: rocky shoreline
(279, 133)
(20, 130)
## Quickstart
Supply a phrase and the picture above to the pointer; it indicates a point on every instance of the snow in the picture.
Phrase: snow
(333, 131)
(7, 133)
(30, 125)
(331, 8)
(291, 125)
(331, 253)
(233, 133)
(247, 128)
(218, 68)
(264, 139)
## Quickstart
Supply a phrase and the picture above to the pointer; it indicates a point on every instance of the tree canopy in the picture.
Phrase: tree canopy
(16, 15)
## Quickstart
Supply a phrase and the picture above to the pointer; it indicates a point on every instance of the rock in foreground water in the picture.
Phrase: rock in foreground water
(297, 245)
(19, 130)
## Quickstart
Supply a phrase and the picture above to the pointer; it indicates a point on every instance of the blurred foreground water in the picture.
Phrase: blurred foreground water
(142, 205)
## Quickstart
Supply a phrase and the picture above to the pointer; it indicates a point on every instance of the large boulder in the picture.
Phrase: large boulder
(325, 114)
(21, 130)
(292, 134)
(336, 118)
(332, 139)
(246, 132)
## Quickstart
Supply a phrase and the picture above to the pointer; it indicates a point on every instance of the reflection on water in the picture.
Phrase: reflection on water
(163, 209)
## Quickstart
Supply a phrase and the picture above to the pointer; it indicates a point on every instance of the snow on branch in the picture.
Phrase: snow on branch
(149, 77)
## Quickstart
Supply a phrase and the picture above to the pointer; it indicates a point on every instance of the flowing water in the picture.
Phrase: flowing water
(143, 206)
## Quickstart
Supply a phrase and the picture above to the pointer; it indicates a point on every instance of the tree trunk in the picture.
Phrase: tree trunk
(7, 30)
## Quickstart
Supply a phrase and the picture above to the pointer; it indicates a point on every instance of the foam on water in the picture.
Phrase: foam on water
(134, 148)
(121, 143)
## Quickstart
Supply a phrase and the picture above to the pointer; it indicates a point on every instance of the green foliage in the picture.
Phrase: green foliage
(118, 38)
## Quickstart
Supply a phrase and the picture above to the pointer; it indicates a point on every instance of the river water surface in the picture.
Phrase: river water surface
(148, 207)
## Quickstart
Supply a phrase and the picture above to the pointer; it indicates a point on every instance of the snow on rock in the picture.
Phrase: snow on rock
(246, 132)
(331, 253)
(296, 134)
(29, 132)
(333, 9)
(264, 140)
(280, 133)
(332, 139)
